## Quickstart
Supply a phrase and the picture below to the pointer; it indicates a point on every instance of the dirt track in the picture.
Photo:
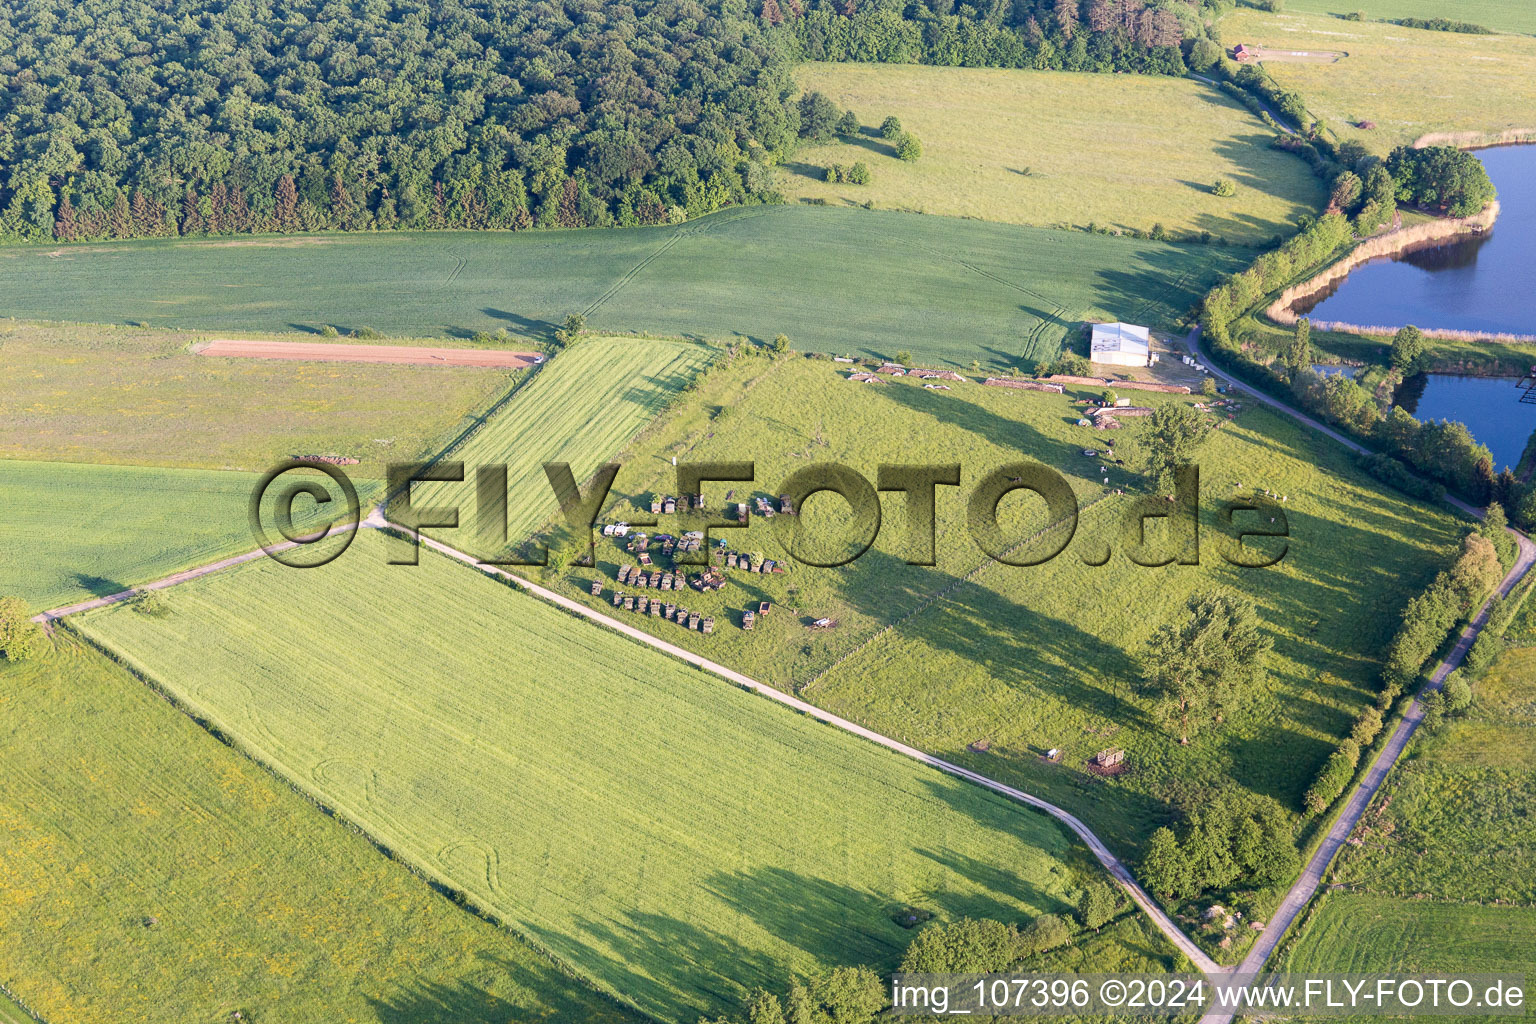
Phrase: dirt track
(347, 353)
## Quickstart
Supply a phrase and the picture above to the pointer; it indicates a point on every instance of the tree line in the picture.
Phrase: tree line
(132, 118)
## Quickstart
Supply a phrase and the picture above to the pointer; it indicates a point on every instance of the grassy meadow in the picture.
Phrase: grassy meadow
(1410, 82)
(1441, 879)
(834, 280)
(992, 665)
(1053, 147)
(669, 836)
(74, 532)
(1499, 15)
(1461, 823)
(152, 874)
(89, 393)
(581, 408)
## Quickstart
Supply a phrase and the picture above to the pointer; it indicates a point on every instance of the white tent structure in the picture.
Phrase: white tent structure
(1120, 344)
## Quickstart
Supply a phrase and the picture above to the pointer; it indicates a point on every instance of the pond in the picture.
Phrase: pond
(1489, 406)
(1474, 284)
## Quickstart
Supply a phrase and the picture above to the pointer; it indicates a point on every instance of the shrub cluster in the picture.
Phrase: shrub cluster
(1445, 25)
(1229, 837)
(1336, 773)
(857, 174)
(1441, 178)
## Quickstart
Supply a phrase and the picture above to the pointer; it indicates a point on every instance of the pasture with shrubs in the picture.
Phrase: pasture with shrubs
(1039, 147)
(993, 665)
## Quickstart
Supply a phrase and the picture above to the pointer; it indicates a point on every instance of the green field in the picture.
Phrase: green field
(89, 393)
(581, 408)
(1461, 824)
(1409, 82)
(669, 836)
(74, 532)
(1441, 879)
(834, 280)
(151, 874)
(10, 1013)
(1016, 661)
(1054, 147)
(1362, 934)
(1499, 15)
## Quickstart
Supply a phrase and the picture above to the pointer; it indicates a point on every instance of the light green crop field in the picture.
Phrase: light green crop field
(992, 665)
(834, 280)
(1054, 147)
(1409, 82)
(91, 393)
(581, 408)
(1353, 933)
(152, 874)
(1499, 15)
(73, 532)
(671, 837)
(1461, 824)
(10, 1013)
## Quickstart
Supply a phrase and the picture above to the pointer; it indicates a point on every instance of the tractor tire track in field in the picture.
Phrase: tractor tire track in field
(459, 263)
(375, 520)
(1101, 852)
(629, 275)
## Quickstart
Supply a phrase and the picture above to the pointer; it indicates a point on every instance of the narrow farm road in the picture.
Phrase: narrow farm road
(182, 577)
(1355, 806)
(1111, 863)
(375, 520)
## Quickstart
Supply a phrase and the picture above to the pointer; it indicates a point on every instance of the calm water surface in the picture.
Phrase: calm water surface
(1489, 406)
(1476, 284)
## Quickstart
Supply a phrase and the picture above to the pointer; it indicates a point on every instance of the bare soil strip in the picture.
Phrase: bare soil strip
(347, 353)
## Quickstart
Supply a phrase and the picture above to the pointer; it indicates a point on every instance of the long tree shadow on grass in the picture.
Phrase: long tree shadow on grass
(97, 586)
(476, 1001)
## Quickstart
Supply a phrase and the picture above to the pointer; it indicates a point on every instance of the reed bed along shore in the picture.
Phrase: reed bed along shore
(1393, 243)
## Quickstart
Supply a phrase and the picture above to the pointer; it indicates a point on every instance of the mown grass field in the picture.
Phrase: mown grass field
(675, 839)
(152, 874)
(1499, 15)
(74, 532)
(581, 408)
(993, 665)
(1052, 148)
(834, 280)
(1408, 81)
(90, 393)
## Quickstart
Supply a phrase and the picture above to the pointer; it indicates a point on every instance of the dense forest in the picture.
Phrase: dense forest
(133, 118)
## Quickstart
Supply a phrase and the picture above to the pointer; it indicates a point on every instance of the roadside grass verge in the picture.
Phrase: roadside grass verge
(1408, 82)
(833, 280)
(104, 394)
(152, 874)
(669, 836)
(1054, 147)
